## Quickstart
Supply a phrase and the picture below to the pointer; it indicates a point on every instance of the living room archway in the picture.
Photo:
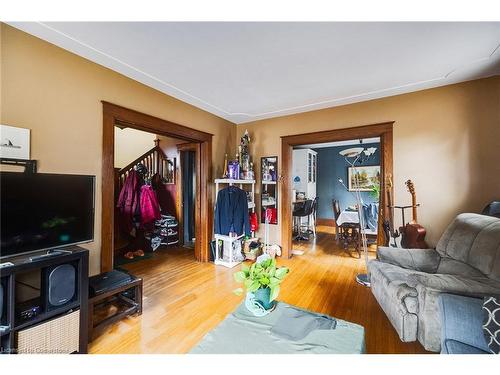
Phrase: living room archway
(382, 130)
(115, 115)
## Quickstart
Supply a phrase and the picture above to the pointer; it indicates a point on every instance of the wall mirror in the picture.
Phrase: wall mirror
(269, 189)
(168, 169)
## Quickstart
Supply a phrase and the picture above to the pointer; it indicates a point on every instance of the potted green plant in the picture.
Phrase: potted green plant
(375, 192)
(263, 279)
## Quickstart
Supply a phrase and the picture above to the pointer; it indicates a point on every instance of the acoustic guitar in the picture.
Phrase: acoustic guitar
(413, 234)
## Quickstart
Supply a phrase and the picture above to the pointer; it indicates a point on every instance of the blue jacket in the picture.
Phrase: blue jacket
(231, 212)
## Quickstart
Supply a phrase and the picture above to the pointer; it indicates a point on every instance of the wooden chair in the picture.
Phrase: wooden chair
(347, 233)
(336, 215)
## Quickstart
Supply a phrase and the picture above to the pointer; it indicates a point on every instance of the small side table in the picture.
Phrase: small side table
(130, 295)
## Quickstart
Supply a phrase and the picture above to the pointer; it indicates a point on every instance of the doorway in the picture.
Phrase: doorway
(188, 196)
(383, 130)
(114, 115)
(325, 195)
(148, 162)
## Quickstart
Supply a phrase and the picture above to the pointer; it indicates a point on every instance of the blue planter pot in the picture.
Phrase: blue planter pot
(262, 296)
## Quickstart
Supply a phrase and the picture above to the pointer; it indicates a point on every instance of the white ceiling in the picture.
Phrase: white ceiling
(249, 71)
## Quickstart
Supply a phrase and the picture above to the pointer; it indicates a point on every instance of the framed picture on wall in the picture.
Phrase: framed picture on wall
(14, 142)
(367, 177)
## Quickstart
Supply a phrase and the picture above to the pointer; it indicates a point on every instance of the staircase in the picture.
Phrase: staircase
(155, 161)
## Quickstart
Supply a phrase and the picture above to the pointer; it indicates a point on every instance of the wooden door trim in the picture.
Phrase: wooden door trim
(115, 115)
(383, 130)
(178, 187)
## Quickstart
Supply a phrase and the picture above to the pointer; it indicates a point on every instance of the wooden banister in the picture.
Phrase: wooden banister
(155, 161)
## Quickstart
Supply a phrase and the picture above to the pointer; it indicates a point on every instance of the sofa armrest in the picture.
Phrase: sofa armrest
(468, 286)
(424, 260)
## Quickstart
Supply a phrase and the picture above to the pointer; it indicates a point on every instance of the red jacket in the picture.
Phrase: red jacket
(128, 199)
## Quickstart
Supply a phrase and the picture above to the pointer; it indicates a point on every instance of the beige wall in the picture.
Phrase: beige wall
(169, 146)
(447, 140)
(58, 96)
(130, 144)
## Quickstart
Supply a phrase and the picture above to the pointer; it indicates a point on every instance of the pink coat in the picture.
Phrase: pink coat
(150, 208)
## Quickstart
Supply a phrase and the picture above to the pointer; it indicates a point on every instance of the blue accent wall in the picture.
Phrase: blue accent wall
(331, 167)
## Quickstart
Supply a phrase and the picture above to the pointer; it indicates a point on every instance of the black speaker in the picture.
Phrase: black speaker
(59, 286)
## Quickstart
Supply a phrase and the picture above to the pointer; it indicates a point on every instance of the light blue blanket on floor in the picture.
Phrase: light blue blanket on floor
(243, 333)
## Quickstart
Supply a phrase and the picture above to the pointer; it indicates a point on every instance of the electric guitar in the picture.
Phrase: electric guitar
(413, 234)
(388, 224)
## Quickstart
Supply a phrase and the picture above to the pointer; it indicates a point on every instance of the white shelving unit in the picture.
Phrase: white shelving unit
(228, 241)
(305, 163)
(241, 183)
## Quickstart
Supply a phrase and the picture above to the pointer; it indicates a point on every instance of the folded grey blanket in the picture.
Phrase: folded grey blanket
(243, 333)
(295, 324)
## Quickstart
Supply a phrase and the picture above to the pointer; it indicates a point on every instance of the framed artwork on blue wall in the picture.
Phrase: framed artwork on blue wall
(368, 177)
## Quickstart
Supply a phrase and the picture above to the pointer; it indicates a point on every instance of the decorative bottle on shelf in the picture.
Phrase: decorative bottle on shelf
(244, 153)
(251, 174)
(225, 171)
(234, 169)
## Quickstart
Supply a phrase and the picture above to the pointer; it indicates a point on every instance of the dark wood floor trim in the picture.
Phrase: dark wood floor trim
(325, 222)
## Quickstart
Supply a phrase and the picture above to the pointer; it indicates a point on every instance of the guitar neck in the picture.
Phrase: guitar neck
(391, 208)
(414, 207)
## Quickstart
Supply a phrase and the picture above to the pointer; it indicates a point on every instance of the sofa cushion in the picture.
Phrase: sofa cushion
(461, 322)
(456, 284)
(455, 267)
(425, 260)
(491, 323)
(457, 347)
(475, 240)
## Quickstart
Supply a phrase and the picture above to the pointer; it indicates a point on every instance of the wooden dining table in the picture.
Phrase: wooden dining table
(350, 216)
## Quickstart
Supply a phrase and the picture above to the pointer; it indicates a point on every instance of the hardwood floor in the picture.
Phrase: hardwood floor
(184, 300)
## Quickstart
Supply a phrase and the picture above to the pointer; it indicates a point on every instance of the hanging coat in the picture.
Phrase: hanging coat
(150, 208)
(128, 200)
(231, 212)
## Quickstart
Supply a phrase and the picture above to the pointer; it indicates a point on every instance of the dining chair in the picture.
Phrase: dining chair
(304, 211)
(336, 215)
(313, 216)
(297, 207)
(347, 233)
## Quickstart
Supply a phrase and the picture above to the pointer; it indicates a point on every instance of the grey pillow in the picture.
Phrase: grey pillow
(491, 323)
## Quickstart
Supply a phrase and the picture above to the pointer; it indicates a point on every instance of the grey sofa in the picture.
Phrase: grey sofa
(462, 325)
(408, 282)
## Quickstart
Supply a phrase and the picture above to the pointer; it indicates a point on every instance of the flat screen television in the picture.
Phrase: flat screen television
(45, 211)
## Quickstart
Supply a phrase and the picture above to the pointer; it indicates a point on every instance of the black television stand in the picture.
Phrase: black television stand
(66, 323)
